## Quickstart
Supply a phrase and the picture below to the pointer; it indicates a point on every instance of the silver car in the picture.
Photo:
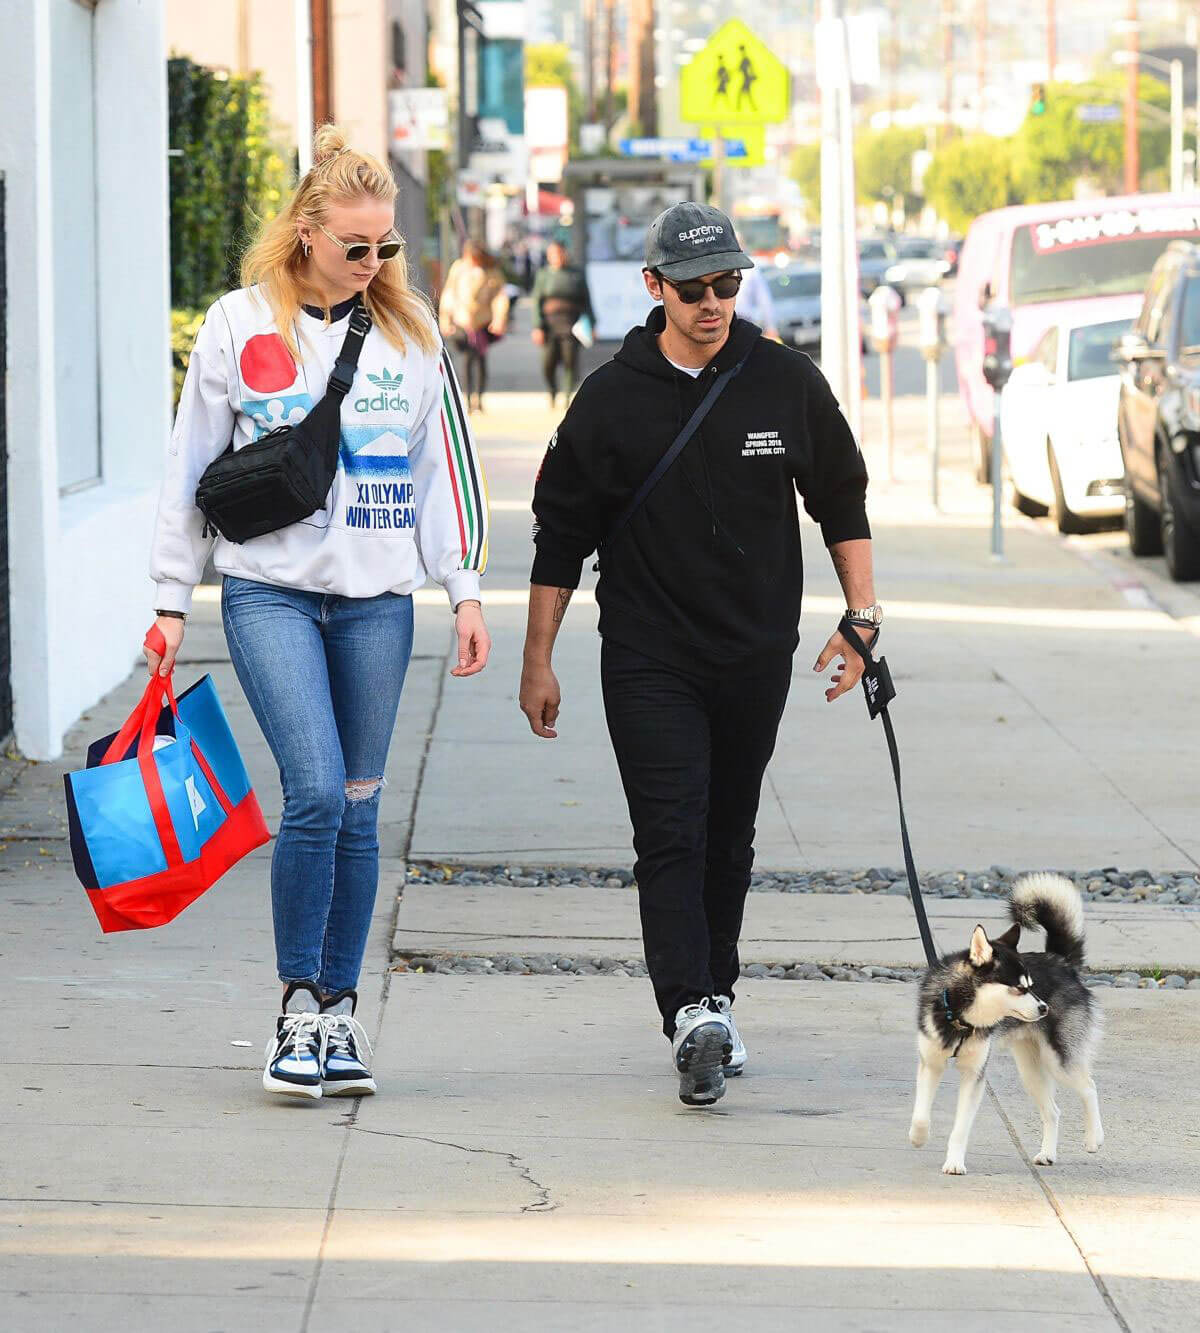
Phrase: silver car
(796, 295)
(920, 263)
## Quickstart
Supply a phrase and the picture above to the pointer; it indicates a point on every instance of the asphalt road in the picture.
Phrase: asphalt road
(515, 364)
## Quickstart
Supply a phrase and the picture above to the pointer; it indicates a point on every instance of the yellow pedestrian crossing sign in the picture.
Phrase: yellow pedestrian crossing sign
(734, 80)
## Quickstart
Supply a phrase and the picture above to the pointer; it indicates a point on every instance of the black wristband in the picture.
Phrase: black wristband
(174, 615)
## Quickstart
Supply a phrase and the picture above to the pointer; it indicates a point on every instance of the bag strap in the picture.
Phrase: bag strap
(877, 685)
(342, 376)
(677, 445)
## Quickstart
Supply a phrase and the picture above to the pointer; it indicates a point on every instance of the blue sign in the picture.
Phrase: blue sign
(680, 150)
(1098, 113)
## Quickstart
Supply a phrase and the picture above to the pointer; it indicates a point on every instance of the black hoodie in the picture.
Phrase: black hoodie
(708, 573)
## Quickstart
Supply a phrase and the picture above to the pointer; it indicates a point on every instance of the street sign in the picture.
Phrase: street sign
(419, 118)
(680, 150)
(1097, 113)
(735, 79)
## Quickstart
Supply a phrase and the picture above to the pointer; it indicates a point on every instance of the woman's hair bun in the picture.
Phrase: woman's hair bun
(329, 141)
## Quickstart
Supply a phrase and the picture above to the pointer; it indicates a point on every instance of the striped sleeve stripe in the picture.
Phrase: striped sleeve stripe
(470, 492)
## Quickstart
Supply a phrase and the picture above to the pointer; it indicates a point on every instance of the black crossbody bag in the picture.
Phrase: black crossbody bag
(286, 475)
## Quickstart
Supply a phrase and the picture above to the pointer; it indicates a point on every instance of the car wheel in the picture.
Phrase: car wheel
(1065, 518)
(1179, 543)
(1030, 508)
(983, 457)
(1141, 523)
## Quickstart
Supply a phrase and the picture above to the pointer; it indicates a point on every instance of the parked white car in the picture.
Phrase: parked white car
(1059, 423)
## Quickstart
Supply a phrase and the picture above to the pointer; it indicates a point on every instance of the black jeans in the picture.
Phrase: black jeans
(475, 368)
(564, 348)
(692, 751)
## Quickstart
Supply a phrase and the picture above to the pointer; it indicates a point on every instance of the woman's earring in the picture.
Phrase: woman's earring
(304, 245)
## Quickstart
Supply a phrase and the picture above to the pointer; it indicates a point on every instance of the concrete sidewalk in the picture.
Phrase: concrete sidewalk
(526, 1164)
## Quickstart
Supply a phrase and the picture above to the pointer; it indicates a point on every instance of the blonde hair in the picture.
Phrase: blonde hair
(275, 259)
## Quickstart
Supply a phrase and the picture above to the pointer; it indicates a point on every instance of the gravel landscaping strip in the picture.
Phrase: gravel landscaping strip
(553, 965)
(1105, 884)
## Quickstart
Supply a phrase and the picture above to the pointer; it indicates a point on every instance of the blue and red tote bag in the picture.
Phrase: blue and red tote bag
(163, 809)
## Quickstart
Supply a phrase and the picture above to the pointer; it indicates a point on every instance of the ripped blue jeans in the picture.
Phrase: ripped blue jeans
(323, 676)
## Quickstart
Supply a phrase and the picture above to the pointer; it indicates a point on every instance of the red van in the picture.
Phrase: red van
(1050, 264)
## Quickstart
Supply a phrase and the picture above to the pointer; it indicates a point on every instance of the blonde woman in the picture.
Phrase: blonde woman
(318, 615)
(474, 312)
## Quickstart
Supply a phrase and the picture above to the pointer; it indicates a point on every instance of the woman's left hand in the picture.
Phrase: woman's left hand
(474, 642)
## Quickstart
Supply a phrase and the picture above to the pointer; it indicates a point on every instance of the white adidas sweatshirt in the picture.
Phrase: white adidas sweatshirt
(409, 498)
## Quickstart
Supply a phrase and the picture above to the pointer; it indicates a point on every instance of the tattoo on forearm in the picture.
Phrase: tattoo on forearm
(841, 565)
(561, 602)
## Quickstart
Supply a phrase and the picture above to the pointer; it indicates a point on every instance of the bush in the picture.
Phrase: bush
(970, 176)
(225, 174)
(185, 324)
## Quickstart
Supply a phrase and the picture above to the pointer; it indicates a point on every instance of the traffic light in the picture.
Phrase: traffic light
(1037, 103)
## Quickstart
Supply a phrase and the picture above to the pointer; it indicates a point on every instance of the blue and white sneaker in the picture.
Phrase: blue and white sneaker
(344, 1068)
(737, 1061)
(701, 1045)
(294, 1053)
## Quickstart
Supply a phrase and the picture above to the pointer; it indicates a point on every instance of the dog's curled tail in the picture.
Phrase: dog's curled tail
(1052, 903)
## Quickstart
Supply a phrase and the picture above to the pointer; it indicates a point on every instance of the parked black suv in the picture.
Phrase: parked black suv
(1158, 419)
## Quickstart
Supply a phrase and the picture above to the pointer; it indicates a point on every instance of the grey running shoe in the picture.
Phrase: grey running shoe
(701, 1046)
(737, 1061)
(294, 1053)
(344, 1069)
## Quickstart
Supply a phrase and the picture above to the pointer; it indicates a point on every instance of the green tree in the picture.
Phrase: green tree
(806, 172)
(970, 176)
(548, 65)
(1055, 150)
(225, 174)
(883, 164)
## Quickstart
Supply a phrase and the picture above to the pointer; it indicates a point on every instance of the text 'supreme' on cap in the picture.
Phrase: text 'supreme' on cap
(690, 240)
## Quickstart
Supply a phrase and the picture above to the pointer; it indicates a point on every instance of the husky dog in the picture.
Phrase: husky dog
(1037, 1003)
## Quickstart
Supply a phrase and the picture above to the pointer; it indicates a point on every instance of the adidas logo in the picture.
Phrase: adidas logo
(387, 399)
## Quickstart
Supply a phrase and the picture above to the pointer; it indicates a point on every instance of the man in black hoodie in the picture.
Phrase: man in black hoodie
(699, 598)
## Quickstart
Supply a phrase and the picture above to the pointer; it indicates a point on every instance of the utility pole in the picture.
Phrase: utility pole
(1051, 40)
(589, 59)
(610, 61)
(302, 20)
(322, 91)
(947, 66)
(643, 104)
(1133, 173)
(893, 55)
(980, 56)
(840, 340)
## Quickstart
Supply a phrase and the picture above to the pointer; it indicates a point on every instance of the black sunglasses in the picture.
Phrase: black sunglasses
(691, 292)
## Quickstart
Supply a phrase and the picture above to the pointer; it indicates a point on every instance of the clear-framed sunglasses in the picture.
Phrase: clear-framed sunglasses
(356, 251)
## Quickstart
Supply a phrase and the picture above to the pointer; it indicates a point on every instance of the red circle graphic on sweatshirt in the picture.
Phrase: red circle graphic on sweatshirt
(267, 365)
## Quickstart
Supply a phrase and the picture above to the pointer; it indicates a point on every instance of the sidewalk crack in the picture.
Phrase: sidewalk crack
(1056, 1207)
(543, 1204)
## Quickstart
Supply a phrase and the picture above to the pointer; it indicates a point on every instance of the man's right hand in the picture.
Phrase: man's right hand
(171, 628)
(540, 699)
(538, 336)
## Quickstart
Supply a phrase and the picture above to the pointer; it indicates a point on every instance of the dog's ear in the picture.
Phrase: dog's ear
(981, 948)
(1011, 936)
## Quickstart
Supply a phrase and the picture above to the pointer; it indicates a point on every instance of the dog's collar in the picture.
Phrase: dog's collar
(954, 1021)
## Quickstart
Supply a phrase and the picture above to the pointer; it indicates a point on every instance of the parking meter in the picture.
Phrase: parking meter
(997, 346)
(931, 328)
(931, 334)
(884, 304)
(997, 367)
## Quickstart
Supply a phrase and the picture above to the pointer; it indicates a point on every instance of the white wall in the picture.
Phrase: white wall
(81, 596)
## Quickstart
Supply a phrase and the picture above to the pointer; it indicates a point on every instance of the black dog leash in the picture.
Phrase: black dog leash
(878, 687)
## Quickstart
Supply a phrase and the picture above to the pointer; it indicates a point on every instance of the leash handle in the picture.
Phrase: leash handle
(879, 690)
